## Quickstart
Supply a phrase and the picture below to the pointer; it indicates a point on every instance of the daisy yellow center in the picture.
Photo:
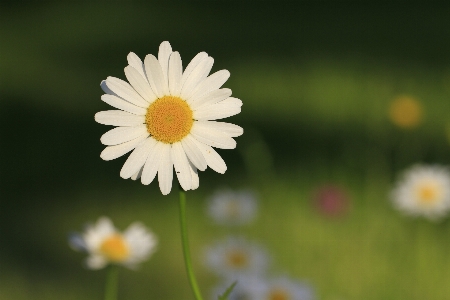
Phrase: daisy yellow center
(169, 119)
(428, 193)
(278, 294)
(237, 259)
(114, 248)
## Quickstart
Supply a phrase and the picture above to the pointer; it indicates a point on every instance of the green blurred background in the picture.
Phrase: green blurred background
(316, 80)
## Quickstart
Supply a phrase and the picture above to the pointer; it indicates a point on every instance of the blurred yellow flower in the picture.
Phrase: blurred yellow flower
(406, 112)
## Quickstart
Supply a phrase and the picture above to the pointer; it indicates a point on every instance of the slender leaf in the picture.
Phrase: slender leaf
(228, 291)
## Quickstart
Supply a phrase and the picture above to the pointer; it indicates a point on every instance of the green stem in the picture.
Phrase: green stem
(111, 286)
(185, 242)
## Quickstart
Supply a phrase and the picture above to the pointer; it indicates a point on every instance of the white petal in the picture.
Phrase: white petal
(104, 227)
(134, 233)
(227, 128)
(118, 118)
(124, 90)
(175, 73)
(165, 170)
(96, 233)
(210, 98)
(163, 57)
(181, 165)
(191, 66)
(141, 242)
(197, 75)
(195, 180)
(121, 104)
(106, 89)
(140, 84)
(113, 152)
(211, 83)
(231, 101)
(121, 135)
(207, 68)
(193, 153)
(212, 158)
(137, 158)
(212, 137)
(136, 63)
(96, 262)
(138, 174)
(152, 164)
(223, 109)
(155, 76)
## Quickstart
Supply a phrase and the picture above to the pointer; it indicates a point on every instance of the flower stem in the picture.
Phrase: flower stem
(111, 286)
(185, 243)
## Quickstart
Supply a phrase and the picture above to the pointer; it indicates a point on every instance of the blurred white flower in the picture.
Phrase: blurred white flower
(423, 190)
(261, 288)
(105, 244)
(246, 288)
(228, 207)
(234, 257)
(285, 288)
(166, 115)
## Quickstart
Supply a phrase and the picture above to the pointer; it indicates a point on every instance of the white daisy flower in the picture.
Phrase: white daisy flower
(105, 244)
(237, 257)
(229, 207)
(285, 288)
(166, 115)
(423, 191)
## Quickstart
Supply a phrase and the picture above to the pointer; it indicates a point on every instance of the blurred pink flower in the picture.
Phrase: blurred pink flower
(331, 201)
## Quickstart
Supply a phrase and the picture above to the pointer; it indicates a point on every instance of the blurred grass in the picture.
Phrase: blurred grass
(372, 254)
(316, 81)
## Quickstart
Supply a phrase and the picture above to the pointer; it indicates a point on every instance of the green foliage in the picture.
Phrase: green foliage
(228, 291)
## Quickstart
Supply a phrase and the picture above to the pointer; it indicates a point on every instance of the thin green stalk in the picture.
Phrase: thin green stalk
(112, 279)
(185, 243)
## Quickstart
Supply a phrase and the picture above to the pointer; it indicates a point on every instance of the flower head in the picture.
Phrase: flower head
(105, 244)
(285, 288)
(228, 207)
(237, 257)
(166, 116)
(406, 112)
(423, 190)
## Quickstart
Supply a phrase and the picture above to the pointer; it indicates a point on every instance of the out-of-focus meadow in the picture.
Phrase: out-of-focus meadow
(317, 81)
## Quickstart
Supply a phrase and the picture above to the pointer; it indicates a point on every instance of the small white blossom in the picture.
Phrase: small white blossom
(237, 257)
(423, 190)
(105, 244)
(285, 288)
(228, 207)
